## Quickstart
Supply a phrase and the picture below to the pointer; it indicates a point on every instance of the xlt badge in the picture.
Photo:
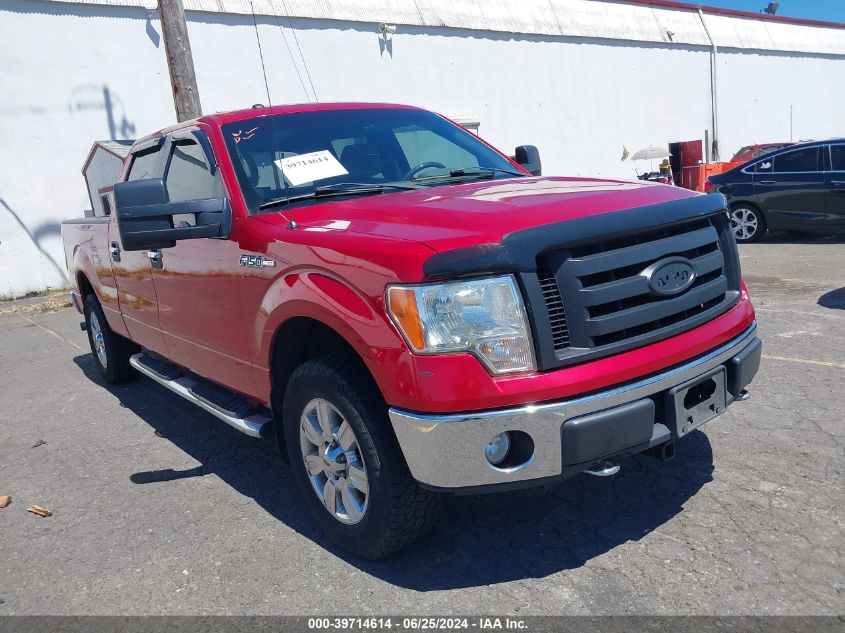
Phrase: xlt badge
(257, 261)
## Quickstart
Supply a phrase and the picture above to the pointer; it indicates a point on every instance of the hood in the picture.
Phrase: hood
(460, 215)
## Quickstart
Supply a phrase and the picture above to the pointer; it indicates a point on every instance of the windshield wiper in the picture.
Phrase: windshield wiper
(472, 172)
(338, 189)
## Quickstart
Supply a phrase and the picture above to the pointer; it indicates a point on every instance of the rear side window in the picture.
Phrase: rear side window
(837, 157)
(189, 176)
(144, 164)
(800, 160)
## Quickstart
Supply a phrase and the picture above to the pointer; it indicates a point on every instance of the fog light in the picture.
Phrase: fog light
(498, 448)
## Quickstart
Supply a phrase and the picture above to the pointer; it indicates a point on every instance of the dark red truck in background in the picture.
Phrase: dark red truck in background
(413, 311)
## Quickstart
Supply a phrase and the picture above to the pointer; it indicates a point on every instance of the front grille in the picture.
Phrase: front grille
(597, 298)
(554, 305)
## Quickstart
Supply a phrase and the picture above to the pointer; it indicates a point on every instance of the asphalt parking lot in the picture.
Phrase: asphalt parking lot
(161, 509)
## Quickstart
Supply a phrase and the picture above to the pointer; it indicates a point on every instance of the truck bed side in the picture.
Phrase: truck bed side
(86, 244)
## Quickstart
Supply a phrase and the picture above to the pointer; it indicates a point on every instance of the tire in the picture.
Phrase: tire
(111, 351)
(395, 510)
(747, 223)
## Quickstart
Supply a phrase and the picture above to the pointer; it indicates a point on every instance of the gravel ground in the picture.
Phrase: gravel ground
(161, 509)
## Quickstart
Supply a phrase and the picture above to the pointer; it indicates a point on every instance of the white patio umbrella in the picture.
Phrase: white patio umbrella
(650, 153)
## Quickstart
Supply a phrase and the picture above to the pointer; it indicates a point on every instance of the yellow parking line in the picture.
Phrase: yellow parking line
(805, 361)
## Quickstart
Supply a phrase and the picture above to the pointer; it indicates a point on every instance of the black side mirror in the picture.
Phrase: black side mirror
(529, 157)
(145, 216)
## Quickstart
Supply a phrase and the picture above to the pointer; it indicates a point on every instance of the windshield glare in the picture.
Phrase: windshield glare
(373, 147)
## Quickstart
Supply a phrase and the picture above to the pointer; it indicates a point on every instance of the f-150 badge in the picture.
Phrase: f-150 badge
(257, 261)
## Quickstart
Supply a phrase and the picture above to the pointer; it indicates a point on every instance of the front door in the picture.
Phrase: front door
(197, 281)
(132, 272)
(790, 187)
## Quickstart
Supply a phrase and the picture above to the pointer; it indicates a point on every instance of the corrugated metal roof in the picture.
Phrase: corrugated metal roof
(608, 19)
(118, 148)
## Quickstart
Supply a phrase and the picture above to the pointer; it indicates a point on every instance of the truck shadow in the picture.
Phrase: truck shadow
(835, 299)
(478, 540)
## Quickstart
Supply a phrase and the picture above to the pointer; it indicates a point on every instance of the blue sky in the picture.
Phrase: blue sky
(831, 10)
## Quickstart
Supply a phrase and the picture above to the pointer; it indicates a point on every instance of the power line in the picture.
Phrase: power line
(260, 54)
(290, 54)
(296, 39)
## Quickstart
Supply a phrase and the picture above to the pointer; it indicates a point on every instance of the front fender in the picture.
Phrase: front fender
(334, 302)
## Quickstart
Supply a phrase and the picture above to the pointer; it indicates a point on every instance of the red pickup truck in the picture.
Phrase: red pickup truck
(411, 310)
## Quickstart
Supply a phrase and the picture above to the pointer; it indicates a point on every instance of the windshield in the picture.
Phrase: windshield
(286, 156)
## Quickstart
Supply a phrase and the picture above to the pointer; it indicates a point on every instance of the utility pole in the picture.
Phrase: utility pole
(186, 96)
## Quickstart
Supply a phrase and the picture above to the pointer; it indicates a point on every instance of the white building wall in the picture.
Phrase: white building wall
(757, 89)
(76, 72)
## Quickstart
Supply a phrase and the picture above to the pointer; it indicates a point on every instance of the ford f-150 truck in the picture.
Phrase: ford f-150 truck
(412, 311)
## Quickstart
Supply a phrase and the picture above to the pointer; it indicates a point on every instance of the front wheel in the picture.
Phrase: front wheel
(747, 223)
(347, 463)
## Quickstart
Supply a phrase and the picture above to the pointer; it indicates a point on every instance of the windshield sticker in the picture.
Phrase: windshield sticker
(310, 167)
(240, 135)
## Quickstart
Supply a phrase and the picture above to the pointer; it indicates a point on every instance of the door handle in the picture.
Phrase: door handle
(768, 182)
(837, 183)
(114, 249)
(155, 259)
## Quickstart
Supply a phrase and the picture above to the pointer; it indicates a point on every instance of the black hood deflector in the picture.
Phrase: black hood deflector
(517, 252)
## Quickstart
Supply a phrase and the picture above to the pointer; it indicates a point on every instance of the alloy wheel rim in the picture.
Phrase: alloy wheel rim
(99, 340)
(744, 223)
(333, 461)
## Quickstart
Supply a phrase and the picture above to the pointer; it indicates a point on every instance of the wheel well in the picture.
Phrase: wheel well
(85, 287)
(745, 203)
(298, 340)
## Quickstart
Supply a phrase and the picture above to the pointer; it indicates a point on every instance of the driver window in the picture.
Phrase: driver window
(144, 164)
(189, 176)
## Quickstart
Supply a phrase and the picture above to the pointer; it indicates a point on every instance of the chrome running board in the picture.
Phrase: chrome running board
(182, 384)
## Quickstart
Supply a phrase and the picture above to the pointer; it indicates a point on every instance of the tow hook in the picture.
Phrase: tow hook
(603, 469)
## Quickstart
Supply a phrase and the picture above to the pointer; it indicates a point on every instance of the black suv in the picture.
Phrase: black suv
(798, 188)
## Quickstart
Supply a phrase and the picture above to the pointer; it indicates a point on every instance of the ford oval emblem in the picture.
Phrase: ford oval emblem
(670, 276)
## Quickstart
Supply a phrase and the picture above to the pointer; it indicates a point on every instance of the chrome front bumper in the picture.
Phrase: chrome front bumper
(447, 451)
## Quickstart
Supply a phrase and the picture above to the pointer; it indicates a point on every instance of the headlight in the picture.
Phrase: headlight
(484, 317)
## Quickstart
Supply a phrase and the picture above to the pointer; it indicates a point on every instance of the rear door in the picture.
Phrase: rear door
(197, 282)
(790, 188)
(835, 182)
(132, 272)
